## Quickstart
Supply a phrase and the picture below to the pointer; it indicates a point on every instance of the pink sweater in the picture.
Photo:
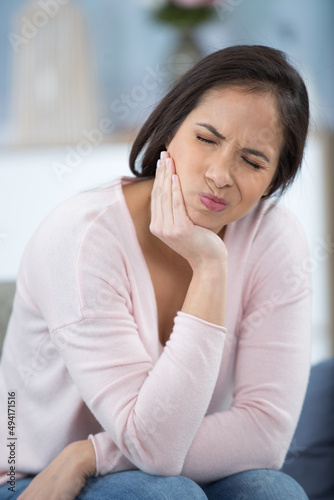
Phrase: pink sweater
(83, 356)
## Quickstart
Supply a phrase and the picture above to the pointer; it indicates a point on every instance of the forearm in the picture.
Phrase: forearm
(206, 295)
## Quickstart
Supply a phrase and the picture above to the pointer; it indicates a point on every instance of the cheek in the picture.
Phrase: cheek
(182, 157)
(253, 187)
(174, 152)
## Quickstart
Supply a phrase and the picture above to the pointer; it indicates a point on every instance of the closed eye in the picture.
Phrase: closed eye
(257, 167)
(204, 140)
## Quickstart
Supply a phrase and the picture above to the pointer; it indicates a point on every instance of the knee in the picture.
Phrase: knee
(257, 484)
(132, 485)
(264, 483)
(284, 484)
(176, 487)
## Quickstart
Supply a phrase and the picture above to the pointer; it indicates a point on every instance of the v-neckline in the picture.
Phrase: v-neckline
(130, 223)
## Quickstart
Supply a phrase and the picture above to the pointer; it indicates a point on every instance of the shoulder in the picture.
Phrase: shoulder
(82, 210)
(268, 226)
(275, 218)
(280, 233)
(75, 232)
(82, 243)
(268, 245)
(68, 223)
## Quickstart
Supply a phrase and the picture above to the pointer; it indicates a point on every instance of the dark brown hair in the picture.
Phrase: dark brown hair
(255, 68)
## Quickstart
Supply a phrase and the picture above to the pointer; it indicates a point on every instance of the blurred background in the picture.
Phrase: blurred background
(79, 77)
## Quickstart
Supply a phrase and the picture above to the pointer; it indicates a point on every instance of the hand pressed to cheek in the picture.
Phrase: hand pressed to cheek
(161, 198)
(171, 224)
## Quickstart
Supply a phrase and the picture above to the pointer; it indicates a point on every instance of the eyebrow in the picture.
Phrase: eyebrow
(255, 152)
(251, 151)
(212, 129)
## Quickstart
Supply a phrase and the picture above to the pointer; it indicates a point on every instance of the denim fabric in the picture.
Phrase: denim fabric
(257, 484)
(136, 485)
(20, 485)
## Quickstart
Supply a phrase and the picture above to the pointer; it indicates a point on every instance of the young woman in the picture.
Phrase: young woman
(159, 345)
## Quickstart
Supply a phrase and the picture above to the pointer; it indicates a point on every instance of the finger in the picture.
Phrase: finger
(156, 205)
(155, 193)
(167, 194)
(180, 215)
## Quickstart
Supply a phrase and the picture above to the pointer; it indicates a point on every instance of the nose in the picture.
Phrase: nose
(220, 170)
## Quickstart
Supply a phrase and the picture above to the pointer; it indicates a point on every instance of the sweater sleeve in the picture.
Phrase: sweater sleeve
(272, 361)
(270, 383)
(271, 371)
(150, 411)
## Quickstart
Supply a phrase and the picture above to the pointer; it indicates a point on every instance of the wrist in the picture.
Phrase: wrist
(215, 263)
(215, 270)
(82, 456)
(206, 296)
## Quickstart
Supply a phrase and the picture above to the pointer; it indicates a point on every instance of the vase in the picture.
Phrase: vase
(185, 55)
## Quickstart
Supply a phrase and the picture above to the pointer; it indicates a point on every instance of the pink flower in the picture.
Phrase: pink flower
(188, 4)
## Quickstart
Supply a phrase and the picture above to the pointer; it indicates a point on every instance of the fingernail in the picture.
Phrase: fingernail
(169, 162)
(159, 164)
(163, 155)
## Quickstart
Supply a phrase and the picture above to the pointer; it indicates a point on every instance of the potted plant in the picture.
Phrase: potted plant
(184, 16)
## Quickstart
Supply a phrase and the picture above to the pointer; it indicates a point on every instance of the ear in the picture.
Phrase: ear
(272, 183)
(267, 191)
(168, 141)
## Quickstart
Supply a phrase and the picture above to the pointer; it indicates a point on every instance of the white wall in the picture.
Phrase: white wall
(306, 199)
(33, 181)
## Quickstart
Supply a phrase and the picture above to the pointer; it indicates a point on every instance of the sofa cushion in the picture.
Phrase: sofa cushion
(310, 460)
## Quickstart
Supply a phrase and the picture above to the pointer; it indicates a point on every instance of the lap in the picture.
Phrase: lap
(20, 486)
(131, 485)
(259, 484)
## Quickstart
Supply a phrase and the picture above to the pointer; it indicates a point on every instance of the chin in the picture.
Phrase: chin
(202, 220)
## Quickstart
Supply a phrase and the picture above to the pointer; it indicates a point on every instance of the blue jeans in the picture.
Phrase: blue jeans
(260, 484)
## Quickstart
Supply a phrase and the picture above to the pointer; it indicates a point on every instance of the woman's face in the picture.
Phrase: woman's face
(228, 147)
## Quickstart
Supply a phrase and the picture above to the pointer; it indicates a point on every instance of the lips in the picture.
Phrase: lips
(212, 203)
(214, 198)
